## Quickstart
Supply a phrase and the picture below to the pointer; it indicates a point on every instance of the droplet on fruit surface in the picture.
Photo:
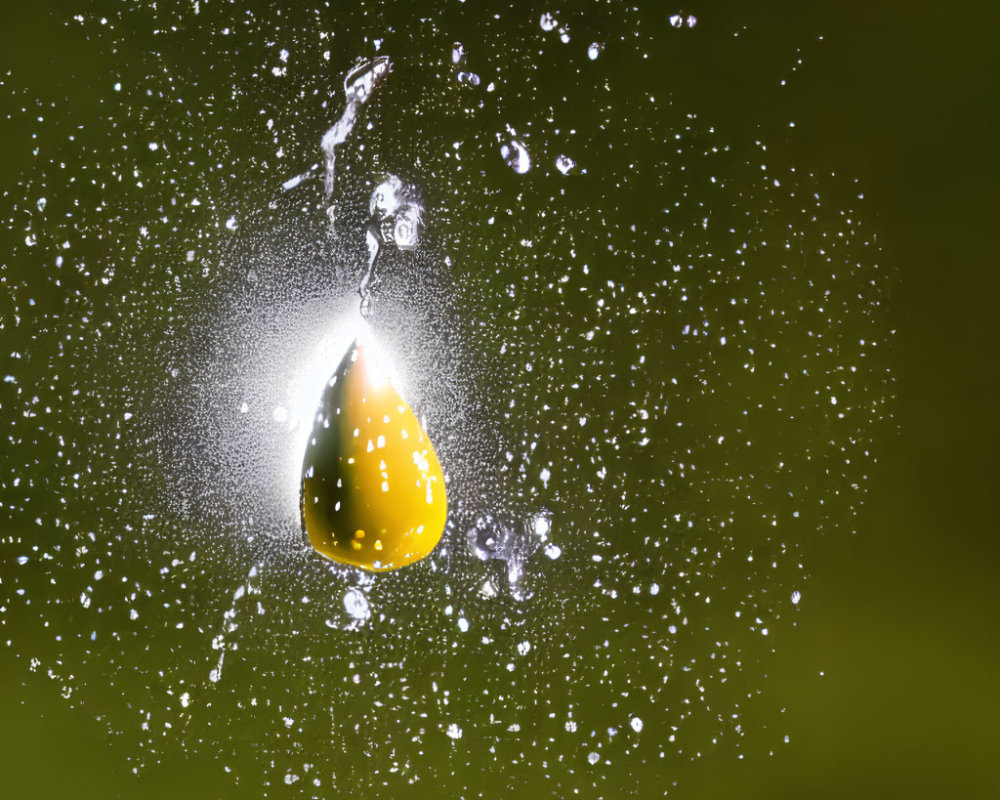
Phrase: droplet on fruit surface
(373, 492)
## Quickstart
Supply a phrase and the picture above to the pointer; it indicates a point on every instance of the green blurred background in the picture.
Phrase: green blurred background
(901, 615)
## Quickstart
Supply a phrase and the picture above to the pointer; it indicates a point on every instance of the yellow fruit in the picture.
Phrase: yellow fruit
(373, 493)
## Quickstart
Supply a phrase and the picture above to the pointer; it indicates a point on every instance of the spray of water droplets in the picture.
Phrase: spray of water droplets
(650, 352)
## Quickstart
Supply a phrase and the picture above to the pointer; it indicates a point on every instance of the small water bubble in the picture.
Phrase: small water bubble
(636, 724)
(796, 597)
(676, 20)
(595, 49)
(593, 758)
(231, 223)
(454, 731)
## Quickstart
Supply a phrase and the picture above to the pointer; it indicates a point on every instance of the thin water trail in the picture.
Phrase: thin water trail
(359, 85)
(225, 640)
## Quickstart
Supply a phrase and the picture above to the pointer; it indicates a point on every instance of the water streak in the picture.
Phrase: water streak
(359, 85)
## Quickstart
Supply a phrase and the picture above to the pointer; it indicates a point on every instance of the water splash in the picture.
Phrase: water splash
(510, 541)
(359, 86)
(694, 339)
(396, 213)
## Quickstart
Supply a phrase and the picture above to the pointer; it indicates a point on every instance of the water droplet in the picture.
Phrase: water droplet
(516, 156)
(356, 604)
(347, 511)
(565, 164)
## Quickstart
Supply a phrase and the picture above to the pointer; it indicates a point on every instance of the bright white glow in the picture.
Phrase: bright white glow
(305, 389)
(309, 379)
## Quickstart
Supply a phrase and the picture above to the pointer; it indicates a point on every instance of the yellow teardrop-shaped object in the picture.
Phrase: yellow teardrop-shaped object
(373, 493)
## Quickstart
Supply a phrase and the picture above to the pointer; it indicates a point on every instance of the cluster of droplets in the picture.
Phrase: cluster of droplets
(651, 387)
